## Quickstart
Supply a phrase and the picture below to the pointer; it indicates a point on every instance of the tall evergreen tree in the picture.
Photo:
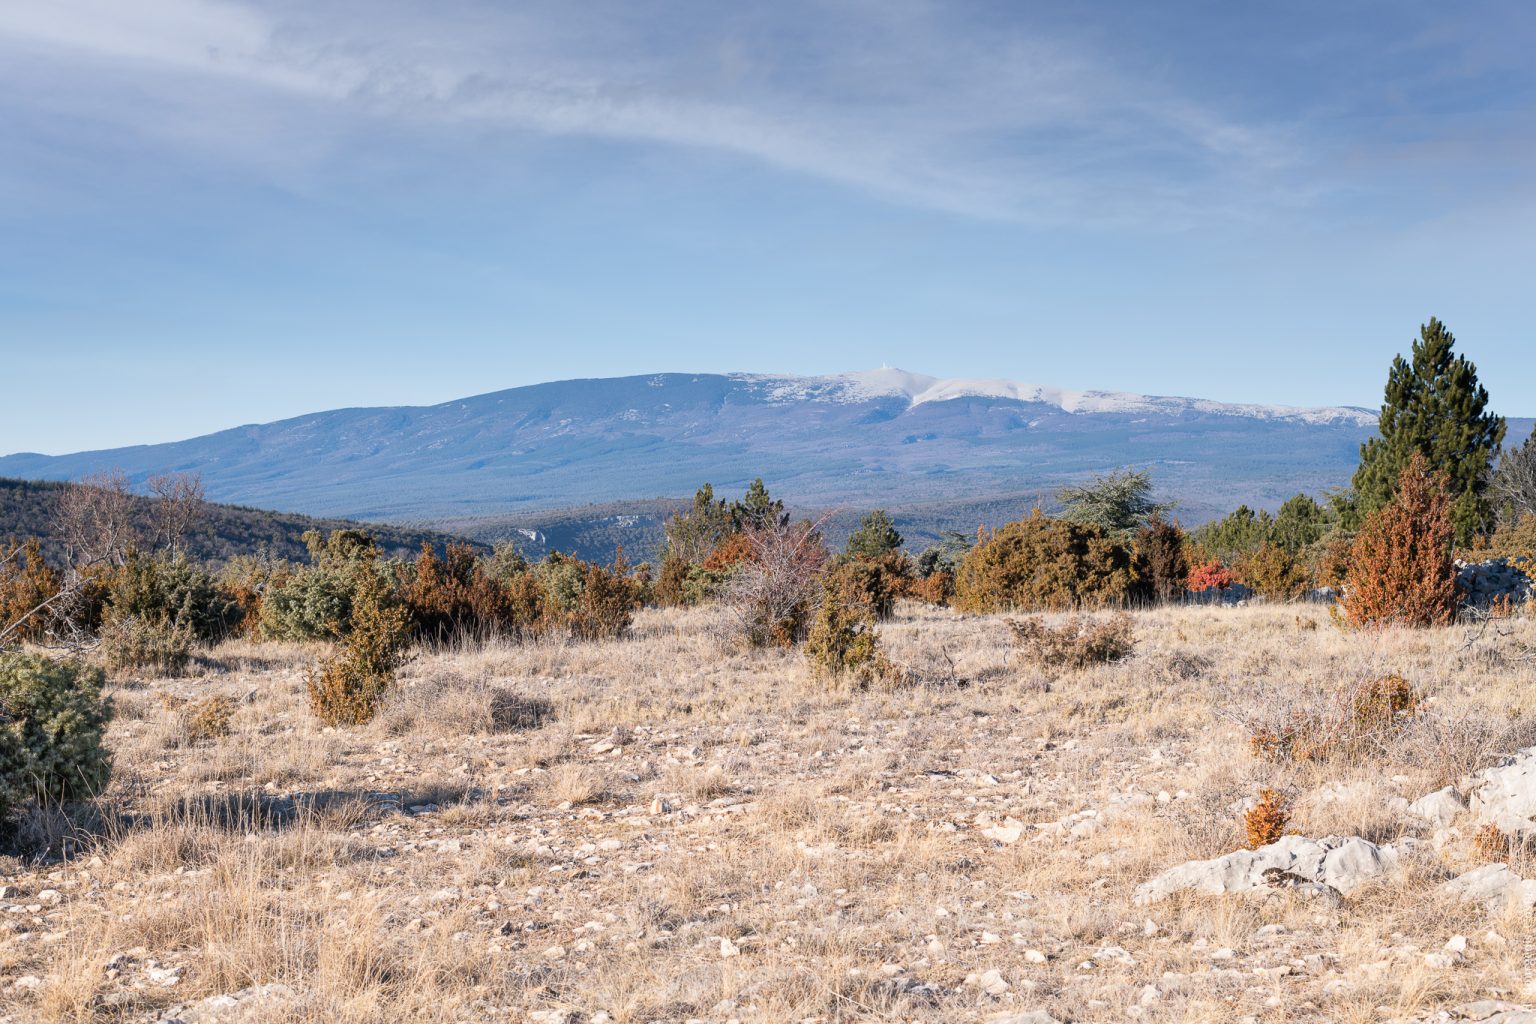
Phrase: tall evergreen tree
(756, 510)
(1434, 407)
(1300, 522)
(693, 534)
(875, 536)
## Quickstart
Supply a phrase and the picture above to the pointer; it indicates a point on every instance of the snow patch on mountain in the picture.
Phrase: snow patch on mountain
(918, 389)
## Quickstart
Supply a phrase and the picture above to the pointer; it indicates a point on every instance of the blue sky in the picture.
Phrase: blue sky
(219, 212)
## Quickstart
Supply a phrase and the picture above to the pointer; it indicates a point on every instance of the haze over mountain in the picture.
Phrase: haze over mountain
(881, 437)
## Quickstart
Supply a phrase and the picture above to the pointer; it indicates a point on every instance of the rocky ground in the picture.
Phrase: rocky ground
(665, 829)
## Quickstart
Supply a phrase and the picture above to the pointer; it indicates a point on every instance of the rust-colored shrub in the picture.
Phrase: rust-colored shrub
(606, 606)
(27, 586)
(1265, 821)
(208, 718)
(455, 596)
(1045, 564)
(1210, 575)
(246, 579)
(1381, 704)
(671, 587)
(1273, 573)
(1401, 572)
(729, 553)
(1491, 844)
(870, 585)
(937, 587)
(1077, 643)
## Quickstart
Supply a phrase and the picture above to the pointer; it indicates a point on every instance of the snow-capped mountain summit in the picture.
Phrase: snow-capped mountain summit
(918, 388)
(875, 437)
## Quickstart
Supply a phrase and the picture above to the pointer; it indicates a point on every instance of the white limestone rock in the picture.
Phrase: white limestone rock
(1338, 862)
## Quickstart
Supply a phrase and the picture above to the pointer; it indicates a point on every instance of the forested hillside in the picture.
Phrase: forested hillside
(218, 532)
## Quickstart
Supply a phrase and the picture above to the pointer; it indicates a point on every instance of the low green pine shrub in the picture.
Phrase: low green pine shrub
(348, 688)
(52, 719)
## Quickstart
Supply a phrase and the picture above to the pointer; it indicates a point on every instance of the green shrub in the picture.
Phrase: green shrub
(52, 718)
(1044, 563)
(1273, 573)
(561, 577)
(606, 605)
(158, 608)
(1162, 563)
(876, 536)
(314, 603)
(347, 689)
(671, 587)
(843, 643)
(171, 595)
(132, 643)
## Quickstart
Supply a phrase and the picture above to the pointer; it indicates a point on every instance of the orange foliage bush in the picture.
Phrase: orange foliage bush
(1266, 820)
(26, 584)
(1210, 575)
(1401, 571)
(935, 588)
(729, 553)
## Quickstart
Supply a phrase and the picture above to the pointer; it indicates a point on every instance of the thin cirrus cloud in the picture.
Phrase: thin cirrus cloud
(902, 100)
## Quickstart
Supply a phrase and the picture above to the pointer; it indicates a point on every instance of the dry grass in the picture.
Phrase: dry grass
(659, 829)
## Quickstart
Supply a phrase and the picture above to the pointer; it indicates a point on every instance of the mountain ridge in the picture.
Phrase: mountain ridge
(859, 439)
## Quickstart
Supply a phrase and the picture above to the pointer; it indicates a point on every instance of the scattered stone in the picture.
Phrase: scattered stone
(1494, 580)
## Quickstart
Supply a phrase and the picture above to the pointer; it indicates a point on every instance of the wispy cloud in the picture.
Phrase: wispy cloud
(956, 107)
(898, 99)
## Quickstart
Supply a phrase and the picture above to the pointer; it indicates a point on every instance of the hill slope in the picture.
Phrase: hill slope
(27, 510)
(860, 439)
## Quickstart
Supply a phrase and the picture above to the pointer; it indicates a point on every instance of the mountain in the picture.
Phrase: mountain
(882, 437)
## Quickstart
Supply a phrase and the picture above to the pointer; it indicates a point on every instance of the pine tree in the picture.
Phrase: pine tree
(1436, 408)
(757, 511)
(1300, 523)
(875, 536)
(692, 535)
